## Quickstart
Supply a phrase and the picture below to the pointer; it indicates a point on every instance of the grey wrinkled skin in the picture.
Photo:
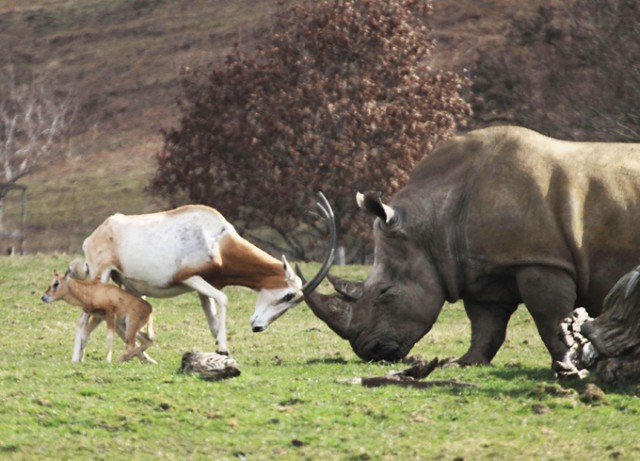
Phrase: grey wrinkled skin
(497, 217)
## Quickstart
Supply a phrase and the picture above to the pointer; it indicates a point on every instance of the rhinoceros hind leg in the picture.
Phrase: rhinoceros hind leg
(550, 296)
(488, 330)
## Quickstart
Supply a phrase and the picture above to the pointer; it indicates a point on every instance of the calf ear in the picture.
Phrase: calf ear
(371, 203)
(67, 273)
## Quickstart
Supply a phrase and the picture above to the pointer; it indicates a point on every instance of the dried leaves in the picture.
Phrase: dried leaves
(339, 97)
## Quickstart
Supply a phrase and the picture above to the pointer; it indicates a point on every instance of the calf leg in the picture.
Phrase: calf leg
(488, 330)
(218, 326)
(132, 350)
(135, 322)
(550, 296)
(141, 354)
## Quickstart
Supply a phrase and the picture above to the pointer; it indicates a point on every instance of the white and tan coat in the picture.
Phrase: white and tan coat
(191, 248)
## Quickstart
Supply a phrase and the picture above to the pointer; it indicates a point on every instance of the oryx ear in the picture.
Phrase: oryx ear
(79, 269)
(371, 203)
(289, 272)
(67, 273)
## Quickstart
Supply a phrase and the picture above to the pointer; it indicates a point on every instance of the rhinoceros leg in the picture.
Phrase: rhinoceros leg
(550, 296)
(488, 330)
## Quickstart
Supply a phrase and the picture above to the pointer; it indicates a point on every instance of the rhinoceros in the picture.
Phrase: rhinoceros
(496, 217)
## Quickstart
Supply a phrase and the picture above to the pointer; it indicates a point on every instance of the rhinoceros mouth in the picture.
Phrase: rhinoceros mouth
(378, 350)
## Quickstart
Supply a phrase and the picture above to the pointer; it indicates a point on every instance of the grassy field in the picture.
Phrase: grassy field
(290, 402)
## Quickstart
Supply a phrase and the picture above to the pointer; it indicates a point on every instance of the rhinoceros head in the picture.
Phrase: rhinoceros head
(397, 305)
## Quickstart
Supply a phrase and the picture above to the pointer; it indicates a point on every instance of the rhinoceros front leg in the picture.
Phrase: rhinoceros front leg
(488, 330)
(550, 296)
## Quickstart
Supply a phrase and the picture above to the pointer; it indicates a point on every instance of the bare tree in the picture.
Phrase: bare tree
(34, 118)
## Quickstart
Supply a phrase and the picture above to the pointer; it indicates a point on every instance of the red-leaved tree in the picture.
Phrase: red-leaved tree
(339, 98)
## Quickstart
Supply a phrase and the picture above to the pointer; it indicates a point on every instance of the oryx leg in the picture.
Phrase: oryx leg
(209, 308)
(78, 349)
(151, 333)
(207, 294)
(111, 328)
(86, 325)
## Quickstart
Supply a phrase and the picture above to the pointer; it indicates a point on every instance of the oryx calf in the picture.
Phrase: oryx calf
(105, 302)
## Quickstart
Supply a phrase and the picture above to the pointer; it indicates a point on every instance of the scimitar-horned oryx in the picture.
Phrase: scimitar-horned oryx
(194, 248)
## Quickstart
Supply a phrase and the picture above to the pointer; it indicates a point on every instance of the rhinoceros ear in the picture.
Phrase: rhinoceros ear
(371, 203)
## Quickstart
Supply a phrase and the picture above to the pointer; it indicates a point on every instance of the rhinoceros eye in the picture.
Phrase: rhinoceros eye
(392, 230)
(393, 222)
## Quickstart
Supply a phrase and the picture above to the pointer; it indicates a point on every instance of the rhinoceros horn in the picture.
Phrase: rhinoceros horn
(350, 291)
(333, 310)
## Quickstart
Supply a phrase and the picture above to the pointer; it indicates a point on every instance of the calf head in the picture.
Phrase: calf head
(58, 287)
(397, 305)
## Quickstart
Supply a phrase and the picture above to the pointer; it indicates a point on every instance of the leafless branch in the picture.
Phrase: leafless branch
(34, 118)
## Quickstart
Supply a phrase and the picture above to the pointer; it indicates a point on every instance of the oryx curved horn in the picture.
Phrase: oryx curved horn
(327, 214)
(332, 310)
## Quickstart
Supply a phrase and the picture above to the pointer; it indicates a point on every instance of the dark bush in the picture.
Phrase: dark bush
(339, 98)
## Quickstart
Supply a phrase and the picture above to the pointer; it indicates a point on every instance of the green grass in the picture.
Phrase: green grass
(289, 402)
(63, 212)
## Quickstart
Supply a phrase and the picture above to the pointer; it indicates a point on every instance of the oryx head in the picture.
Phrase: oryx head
(272, 303)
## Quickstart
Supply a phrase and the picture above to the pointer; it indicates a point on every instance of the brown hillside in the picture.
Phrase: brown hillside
(121, 59)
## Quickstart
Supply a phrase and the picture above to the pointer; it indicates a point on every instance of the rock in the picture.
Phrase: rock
(210, 365)
(593, 393)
